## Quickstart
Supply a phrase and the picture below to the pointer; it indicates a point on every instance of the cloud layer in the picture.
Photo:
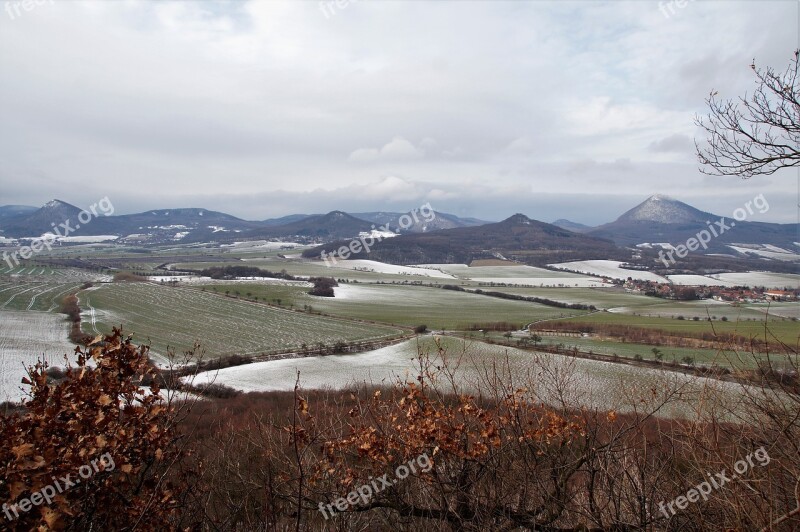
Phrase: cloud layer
(554, 109)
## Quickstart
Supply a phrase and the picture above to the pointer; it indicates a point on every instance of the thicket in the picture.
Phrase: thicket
(510, 452)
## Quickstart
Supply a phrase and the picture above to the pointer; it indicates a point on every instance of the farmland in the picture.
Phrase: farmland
(40, 288)
(608, 268)
(555, 379)
(603, 298)
(668, 354)
(374, 300)
(176, 318)
(517, 274)
(26, 337)
(41, 296)
(372, 271)
(403, 304)
(776, 328)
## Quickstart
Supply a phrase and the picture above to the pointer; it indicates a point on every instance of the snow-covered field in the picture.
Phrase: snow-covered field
(783, 309)
(26, 337)
(264, 245)
(656, 245)
(584, 282)
(87, 239)
(580, 282)
(335, 371)
(767, 251)
(377, 234)
(766, 279)
(697, 280)
(197, 279)
(608, 268)
(186, 279)
(382, 267)
(515, 274)
(586, 383)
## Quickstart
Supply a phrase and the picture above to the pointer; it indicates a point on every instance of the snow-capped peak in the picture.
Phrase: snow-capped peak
(52, 204)
(663, 209)
(660, 197)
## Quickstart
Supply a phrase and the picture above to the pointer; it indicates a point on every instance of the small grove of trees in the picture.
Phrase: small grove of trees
(70, 306)
(129, 277)
(500, 326)
(533, 299)
(233, 272)
(685, 293)
(323, 286)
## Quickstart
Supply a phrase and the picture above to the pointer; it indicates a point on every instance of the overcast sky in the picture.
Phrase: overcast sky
(260, 109)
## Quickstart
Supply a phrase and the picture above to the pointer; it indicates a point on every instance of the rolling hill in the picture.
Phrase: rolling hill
(516, 238)
(334, 225)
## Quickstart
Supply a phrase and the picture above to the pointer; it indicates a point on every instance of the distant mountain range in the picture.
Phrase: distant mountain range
(331, 226)
(516, 238)
(190, 225)
(12, 211)
(394, 221)
(406, 223)
(658, 222)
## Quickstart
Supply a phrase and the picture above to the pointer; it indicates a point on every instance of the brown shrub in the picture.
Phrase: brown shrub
(96, 420)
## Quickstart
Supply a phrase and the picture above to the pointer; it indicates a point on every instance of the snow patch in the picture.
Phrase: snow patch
(608, 268)
(382, 267)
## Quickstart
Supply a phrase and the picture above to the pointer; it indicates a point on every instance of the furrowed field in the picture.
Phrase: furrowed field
(26, 337)
(39, 287)
(176, 318)
(407, 305)
(41, 296)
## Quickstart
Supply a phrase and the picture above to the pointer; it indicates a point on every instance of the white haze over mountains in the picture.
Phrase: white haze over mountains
(576, 110)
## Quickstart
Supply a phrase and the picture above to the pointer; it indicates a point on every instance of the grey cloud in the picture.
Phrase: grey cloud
(678, 143)
(268, 108)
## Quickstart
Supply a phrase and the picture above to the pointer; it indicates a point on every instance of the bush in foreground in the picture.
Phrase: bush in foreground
(96, 429)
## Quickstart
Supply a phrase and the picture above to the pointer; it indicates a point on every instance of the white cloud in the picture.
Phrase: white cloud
(392, 188)
(364, 155)
(246, 98)
(396, 150)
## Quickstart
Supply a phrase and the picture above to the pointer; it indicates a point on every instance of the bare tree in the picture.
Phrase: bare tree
(756, 134)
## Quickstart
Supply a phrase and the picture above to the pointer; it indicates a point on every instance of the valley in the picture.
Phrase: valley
(272, 266)
(159, 295)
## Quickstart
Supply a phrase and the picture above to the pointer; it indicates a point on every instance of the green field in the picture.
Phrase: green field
(39, 288)
(707, 357)
(179, 317)
(169, 316)
(407, 305)
(34, 295)
(612, 347)
(782, 329)
(704, 309)
(599, 297)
